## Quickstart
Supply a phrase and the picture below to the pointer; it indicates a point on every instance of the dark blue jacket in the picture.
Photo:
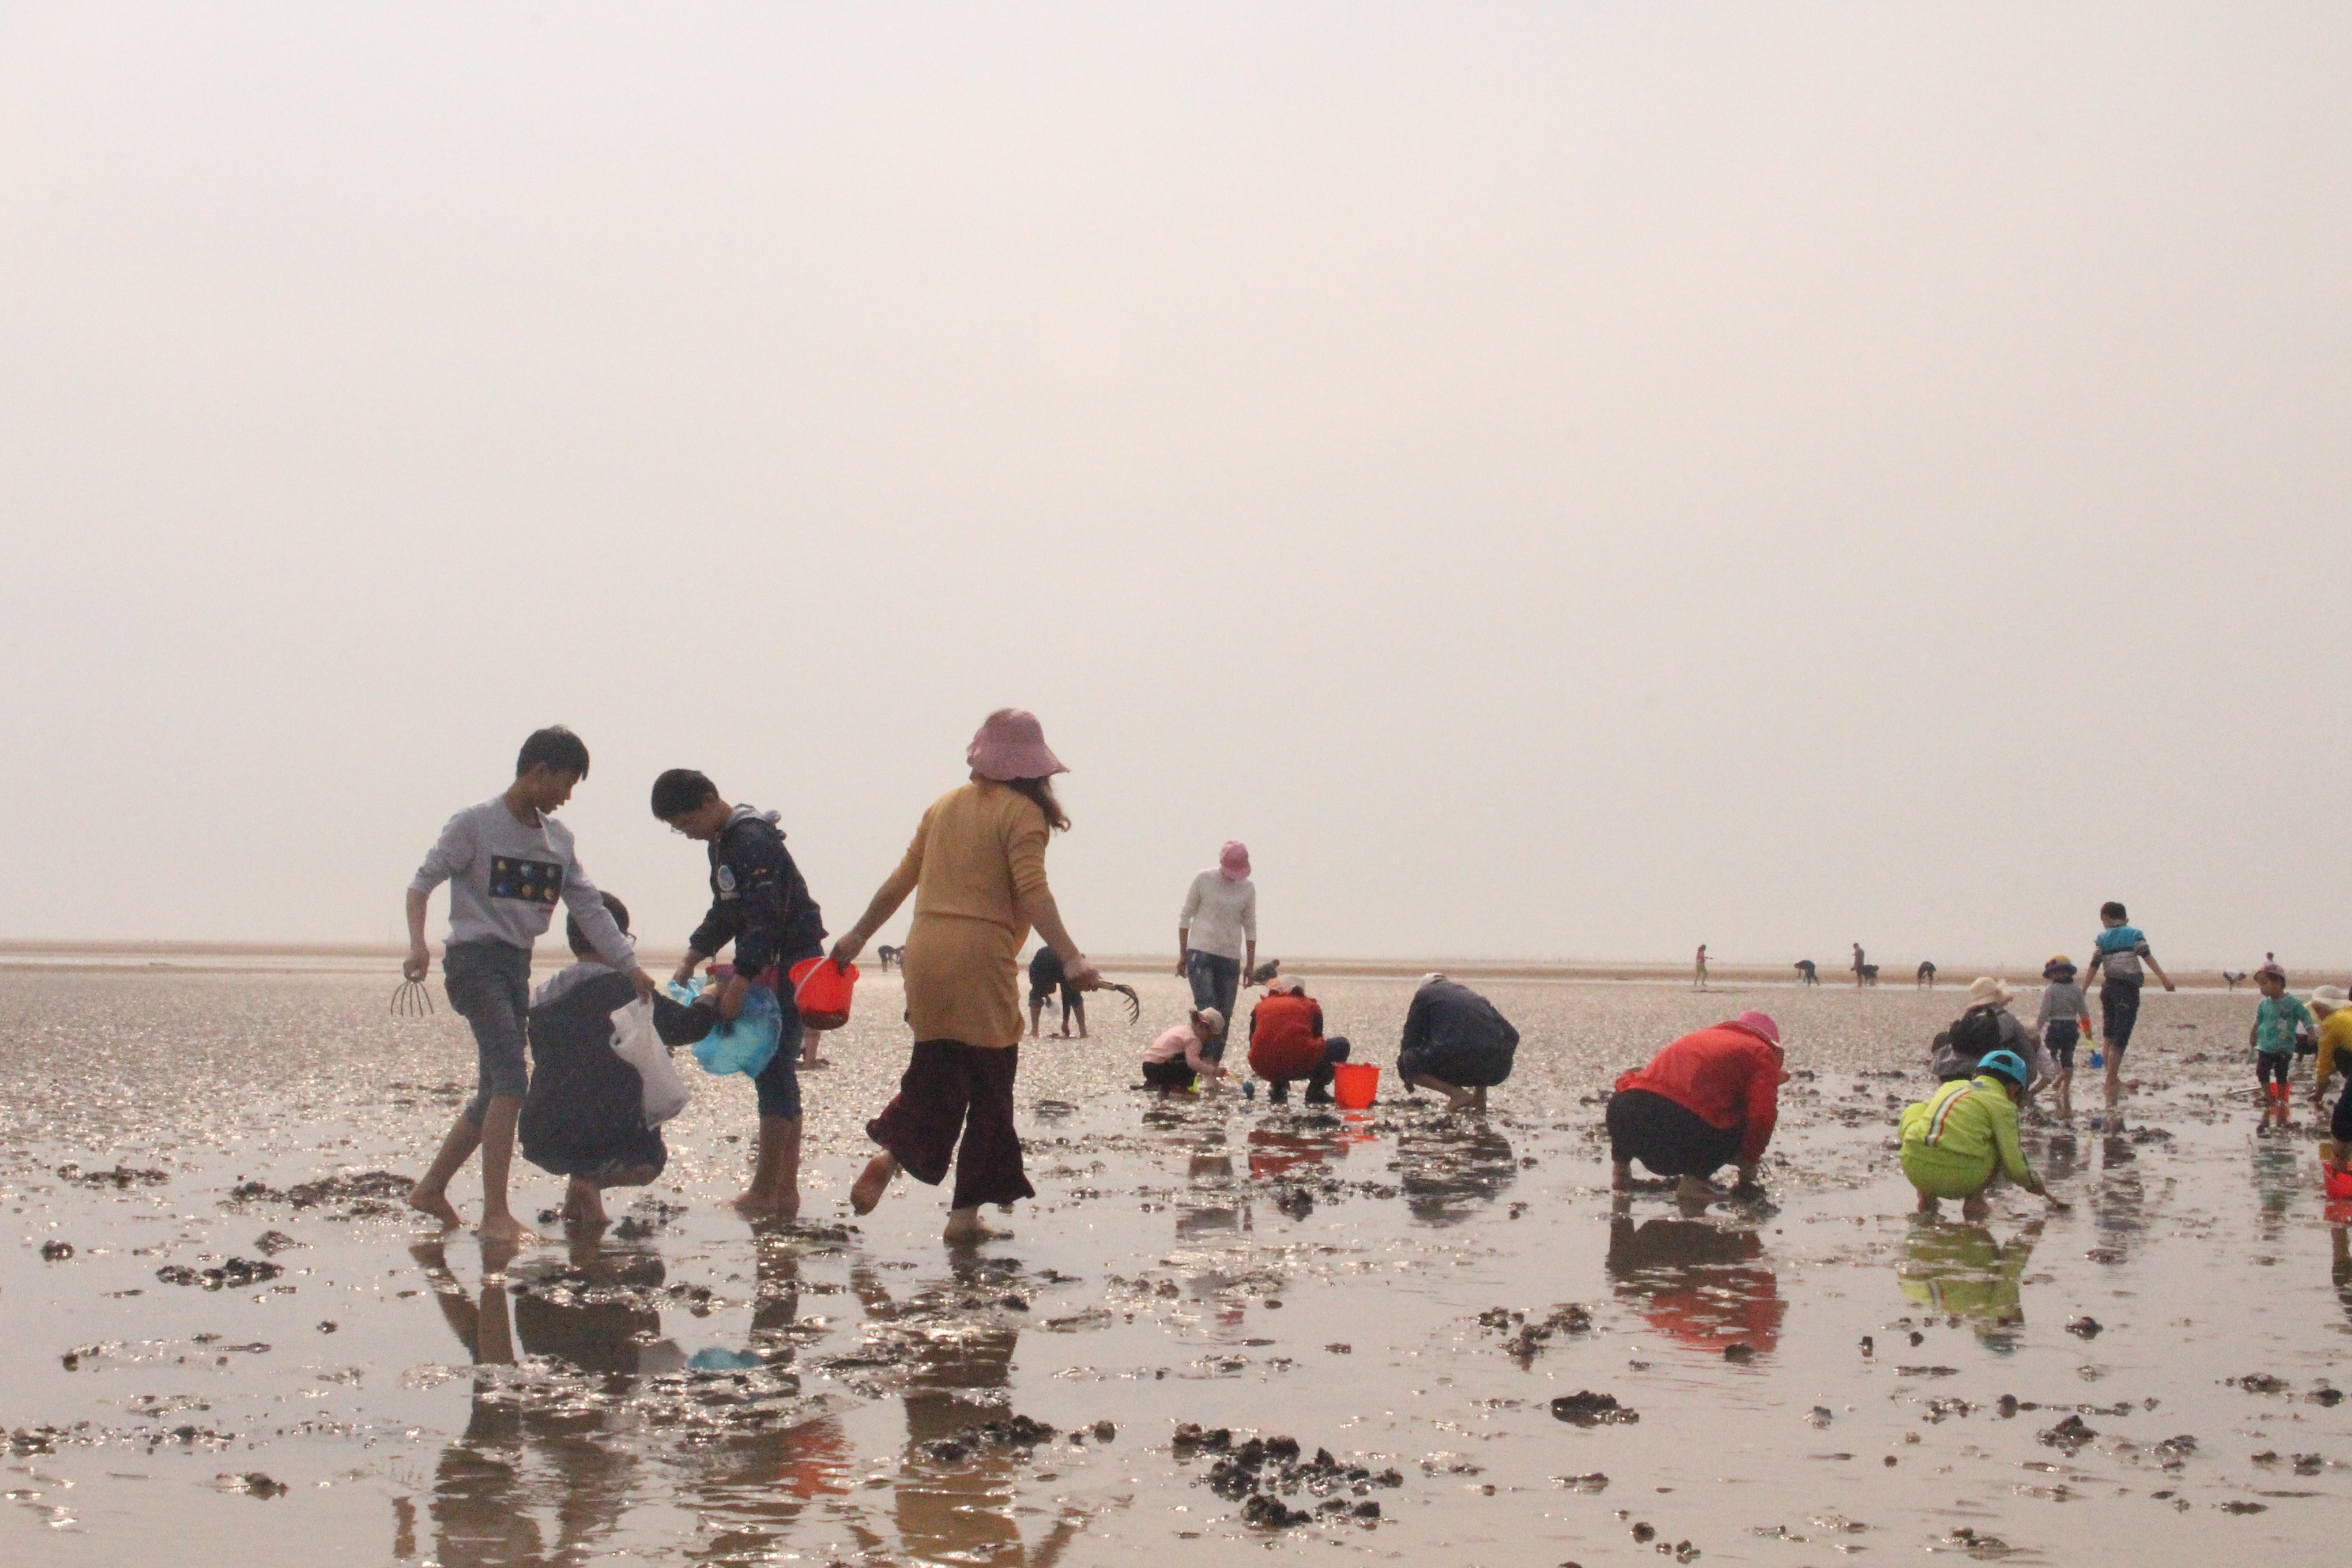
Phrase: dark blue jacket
(758, 899)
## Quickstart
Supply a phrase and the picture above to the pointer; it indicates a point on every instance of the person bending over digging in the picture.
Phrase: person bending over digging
(1709, 1099)
(1957, 1138)
(1455, 1043)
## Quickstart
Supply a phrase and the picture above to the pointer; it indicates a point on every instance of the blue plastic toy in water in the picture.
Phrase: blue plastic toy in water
(746, 1046)
(2098, 1059)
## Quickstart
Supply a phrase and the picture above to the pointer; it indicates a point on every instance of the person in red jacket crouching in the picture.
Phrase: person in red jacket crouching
(1286, 1042)
(1706, 1100)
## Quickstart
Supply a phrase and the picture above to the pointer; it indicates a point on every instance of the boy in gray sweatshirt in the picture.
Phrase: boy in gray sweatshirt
(508, 863)
(2063, 1020)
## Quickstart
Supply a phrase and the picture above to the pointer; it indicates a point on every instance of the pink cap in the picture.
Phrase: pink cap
(1233, 860)
(1759, 1024)
(1012, 745)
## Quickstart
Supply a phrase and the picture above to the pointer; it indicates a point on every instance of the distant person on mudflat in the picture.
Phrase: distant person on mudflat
(1698, 969)
(1286, 1042)
(2062, 1021)
(1174, 1060)
(1708, 1099)
(977, 871)
(2281, 1024)
(2121, 949)
(508, 863)
(1861, 969)
(1808, 973)
(759, 902)
(1956, 1139)
(1455, 1043)
(1045, 980)
(1216, 934)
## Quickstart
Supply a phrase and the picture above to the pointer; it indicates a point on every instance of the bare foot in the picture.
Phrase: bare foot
(436, 1204)
(752, 1205)
(971, 1233)
(583, 1205)
(1927, 1204)
(1975, 1207)
(1692, 1190)
(873, 1183)
(505, 1229)
(1458, 1099)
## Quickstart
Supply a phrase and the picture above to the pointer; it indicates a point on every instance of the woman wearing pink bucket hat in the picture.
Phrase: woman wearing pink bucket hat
(1216, 936)
(977, 871)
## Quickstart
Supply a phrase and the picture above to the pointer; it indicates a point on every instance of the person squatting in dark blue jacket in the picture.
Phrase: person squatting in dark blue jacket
(759, 902)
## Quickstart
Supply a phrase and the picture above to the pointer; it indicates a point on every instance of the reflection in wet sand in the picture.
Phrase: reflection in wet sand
(1959, 1270)
(754, 1481)
(1452, 1170)
(483, 1505)
(1699, 1282)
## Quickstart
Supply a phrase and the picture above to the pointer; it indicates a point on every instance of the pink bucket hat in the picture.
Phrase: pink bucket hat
(1233, 860)
(1760, 1025)
(1012, 745)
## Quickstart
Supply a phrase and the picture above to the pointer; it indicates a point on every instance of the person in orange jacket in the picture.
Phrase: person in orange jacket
(1286, 1042)
(1708, 1099)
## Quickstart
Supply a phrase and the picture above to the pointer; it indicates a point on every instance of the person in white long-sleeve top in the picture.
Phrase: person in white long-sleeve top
(1216, 937)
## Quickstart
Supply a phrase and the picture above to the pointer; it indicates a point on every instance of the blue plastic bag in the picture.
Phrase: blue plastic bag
(746, 1046)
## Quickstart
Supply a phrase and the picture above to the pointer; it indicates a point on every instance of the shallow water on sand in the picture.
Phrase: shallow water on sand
(687, 1389)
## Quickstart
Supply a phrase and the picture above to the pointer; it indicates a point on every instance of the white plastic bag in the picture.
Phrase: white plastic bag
(634, 1042)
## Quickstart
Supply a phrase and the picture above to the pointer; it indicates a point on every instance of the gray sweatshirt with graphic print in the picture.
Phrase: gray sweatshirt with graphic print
(505, 880)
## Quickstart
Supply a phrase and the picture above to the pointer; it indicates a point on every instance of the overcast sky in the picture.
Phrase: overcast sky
(1558, 480)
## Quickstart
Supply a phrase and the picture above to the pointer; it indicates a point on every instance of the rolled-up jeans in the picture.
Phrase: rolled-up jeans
(489, 984)
(1216, 983)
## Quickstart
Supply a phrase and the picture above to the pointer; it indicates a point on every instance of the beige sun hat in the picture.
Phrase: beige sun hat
(1985, 989)
(2329, 996)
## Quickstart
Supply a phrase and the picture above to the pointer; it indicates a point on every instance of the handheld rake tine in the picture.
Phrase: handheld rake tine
(411, 1000)
(1134, 1003)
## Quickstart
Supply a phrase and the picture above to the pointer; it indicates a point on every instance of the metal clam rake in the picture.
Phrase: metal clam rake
(411, 1000)
(1134, 1003)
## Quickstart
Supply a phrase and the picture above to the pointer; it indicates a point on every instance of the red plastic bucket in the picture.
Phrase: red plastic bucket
(2339, 1180)
(1354, 1084)
(821, 991)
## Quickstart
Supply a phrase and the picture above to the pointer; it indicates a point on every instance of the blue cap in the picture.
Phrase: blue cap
(2008, 1064)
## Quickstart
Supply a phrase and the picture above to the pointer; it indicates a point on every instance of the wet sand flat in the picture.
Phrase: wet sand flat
(250, 1353)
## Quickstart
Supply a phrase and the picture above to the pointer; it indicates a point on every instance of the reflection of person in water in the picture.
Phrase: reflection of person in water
(759, 1481)
(956, 1504)
(477, 1504)
(1696, 1281)
(1448, 1170)
(1959, 1270)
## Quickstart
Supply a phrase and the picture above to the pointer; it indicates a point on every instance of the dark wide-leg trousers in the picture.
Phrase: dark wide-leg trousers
(952, 1091)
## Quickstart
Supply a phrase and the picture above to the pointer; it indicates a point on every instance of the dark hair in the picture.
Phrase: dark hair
(2112, 911)
(1042, 792)
(579, 939)
(679, 791)
(556, 746)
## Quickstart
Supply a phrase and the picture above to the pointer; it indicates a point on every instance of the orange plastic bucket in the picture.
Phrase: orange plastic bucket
(821, 991)
(2339, 1182)
(1355, 1085)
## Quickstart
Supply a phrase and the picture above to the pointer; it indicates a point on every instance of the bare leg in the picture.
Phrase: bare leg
(874, 1182)
(431, 1193)
(1456, 1099)
(775, 1186)
(1975, 1207)
(499, 1223)
(1080, 1009)
(1620, 1176)
(1927, 1203)
(1478, 1099)
(1036, 1016)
